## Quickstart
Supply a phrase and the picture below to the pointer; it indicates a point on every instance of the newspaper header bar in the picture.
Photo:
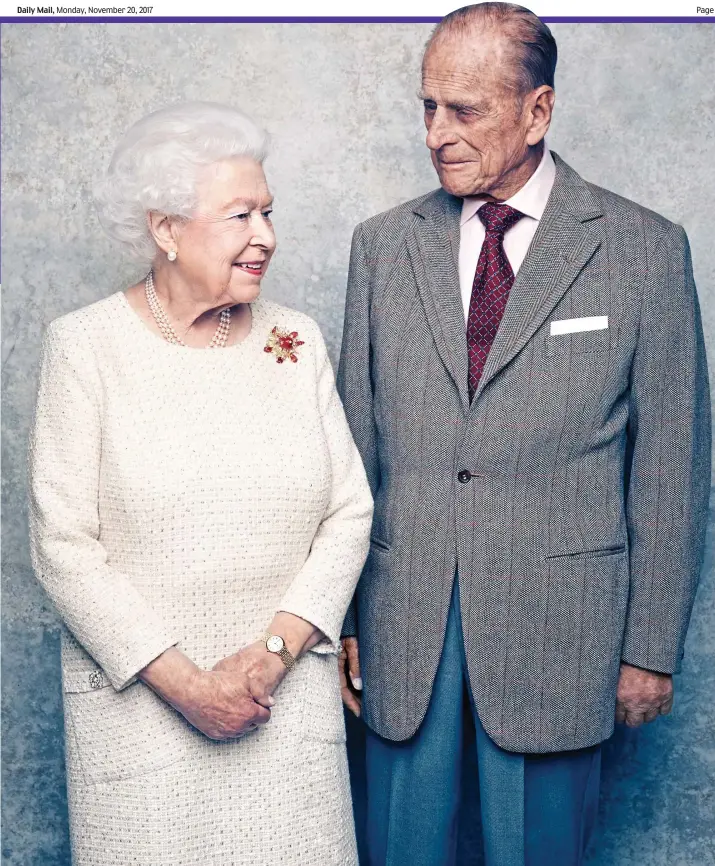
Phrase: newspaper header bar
(377, 9)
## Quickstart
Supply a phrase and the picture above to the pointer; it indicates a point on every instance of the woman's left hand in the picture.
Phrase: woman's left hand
(264, 670)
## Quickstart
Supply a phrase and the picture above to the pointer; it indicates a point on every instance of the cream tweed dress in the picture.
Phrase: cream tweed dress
(181, 497)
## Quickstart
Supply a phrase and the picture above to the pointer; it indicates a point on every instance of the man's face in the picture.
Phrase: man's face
(477, 127)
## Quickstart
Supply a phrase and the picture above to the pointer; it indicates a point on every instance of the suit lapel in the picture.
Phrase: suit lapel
(562, 245)
(434, 249)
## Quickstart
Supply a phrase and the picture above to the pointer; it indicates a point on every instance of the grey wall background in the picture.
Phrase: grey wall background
(634, 113)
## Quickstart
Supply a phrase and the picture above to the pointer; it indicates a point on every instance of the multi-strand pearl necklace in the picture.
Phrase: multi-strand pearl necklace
(218, 340)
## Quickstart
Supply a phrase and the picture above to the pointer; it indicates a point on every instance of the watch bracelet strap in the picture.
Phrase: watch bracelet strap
(285, 655)
(287, 658)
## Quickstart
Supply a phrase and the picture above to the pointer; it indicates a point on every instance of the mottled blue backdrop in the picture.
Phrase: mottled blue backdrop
(635, 108)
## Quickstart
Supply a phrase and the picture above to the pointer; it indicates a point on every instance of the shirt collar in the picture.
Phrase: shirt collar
(530, 199)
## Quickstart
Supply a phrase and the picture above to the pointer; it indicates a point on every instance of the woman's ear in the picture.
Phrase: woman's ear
(164, 230)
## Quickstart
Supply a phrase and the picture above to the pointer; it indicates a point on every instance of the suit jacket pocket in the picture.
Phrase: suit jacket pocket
(577, 343)
(588, 553)
(323, 706)
(379, 543)
(583, 637)
(111, 736)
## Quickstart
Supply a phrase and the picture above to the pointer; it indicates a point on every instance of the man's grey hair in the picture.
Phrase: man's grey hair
(157, 164)
(535, 47)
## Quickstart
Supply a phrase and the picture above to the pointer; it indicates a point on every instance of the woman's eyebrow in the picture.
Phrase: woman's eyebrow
(249, 203)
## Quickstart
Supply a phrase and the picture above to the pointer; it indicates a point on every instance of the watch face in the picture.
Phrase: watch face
(274, 643)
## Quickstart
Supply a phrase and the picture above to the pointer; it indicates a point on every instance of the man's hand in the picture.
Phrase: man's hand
(263, 671)
(642, 696)
(349, 665)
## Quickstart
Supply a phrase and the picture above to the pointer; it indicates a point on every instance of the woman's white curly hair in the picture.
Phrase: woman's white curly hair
(155, 167)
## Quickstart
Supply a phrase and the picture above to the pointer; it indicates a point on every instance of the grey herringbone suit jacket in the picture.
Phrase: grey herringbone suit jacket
(578, 538)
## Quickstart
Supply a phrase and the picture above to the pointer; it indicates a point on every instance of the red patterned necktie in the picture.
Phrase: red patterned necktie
(492, 281)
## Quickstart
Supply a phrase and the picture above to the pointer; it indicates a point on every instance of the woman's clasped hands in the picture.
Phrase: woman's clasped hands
(226, 702)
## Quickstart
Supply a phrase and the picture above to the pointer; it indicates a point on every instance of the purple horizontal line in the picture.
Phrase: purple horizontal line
(34, 19)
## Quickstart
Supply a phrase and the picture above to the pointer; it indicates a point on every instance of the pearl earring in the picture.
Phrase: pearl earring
(171, 255)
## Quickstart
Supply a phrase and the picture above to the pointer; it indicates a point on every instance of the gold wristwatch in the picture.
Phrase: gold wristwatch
(275, 644)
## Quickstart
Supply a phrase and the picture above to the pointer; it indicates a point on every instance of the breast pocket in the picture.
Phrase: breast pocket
(112, 736)
(578, 343)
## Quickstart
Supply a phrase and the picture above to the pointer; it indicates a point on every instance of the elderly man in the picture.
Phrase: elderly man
(524, 373)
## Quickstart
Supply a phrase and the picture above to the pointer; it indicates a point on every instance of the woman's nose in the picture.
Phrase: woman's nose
(263, 234)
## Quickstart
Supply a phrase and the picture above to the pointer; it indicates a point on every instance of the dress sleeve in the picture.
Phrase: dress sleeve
(322, 589)
(98, 604)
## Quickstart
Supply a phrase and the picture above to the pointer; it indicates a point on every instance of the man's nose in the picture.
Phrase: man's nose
(439, 130)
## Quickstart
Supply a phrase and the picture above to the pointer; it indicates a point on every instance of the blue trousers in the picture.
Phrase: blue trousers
(536, 810)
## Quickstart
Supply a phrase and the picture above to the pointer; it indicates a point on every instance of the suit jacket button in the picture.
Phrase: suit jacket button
(464, 476)
(96, 680)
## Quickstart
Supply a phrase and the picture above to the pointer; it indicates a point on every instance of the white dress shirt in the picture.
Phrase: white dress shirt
(530, 200)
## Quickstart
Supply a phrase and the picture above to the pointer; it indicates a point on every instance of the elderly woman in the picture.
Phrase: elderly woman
(199, 517)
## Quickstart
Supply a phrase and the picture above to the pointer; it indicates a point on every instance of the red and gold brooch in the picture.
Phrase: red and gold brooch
(283, 345)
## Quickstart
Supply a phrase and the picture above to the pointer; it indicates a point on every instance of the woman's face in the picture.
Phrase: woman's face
(224, 249)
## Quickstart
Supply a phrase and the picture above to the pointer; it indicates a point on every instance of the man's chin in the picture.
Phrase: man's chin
(454, 188)
(452, 183)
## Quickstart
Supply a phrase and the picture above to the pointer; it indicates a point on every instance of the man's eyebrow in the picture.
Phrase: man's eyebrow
(453, 106)
(468, 106)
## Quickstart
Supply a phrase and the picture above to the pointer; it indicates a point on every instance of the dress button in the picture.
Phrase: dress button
(464, 476)
(96, 680)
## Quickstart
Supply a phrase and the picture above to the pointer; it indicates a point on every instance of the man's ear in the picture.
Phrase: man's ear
(540, 107)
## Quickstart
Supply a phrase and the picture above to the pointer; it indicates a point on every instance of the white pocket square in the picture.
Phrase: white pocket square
(587, 323)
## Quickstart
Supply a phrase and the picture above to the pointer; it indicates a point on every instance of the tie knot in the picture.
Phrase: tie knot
(498, 218)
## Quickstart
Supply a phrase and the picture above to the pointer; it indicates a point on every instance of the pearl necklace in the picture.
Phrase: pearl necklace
(218, 340)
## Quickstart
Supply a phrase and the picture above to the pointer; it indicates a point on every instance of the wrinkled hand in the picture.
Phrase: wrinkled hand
(221, 706)
(263, 671)
(642, 696)
(349, 666)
